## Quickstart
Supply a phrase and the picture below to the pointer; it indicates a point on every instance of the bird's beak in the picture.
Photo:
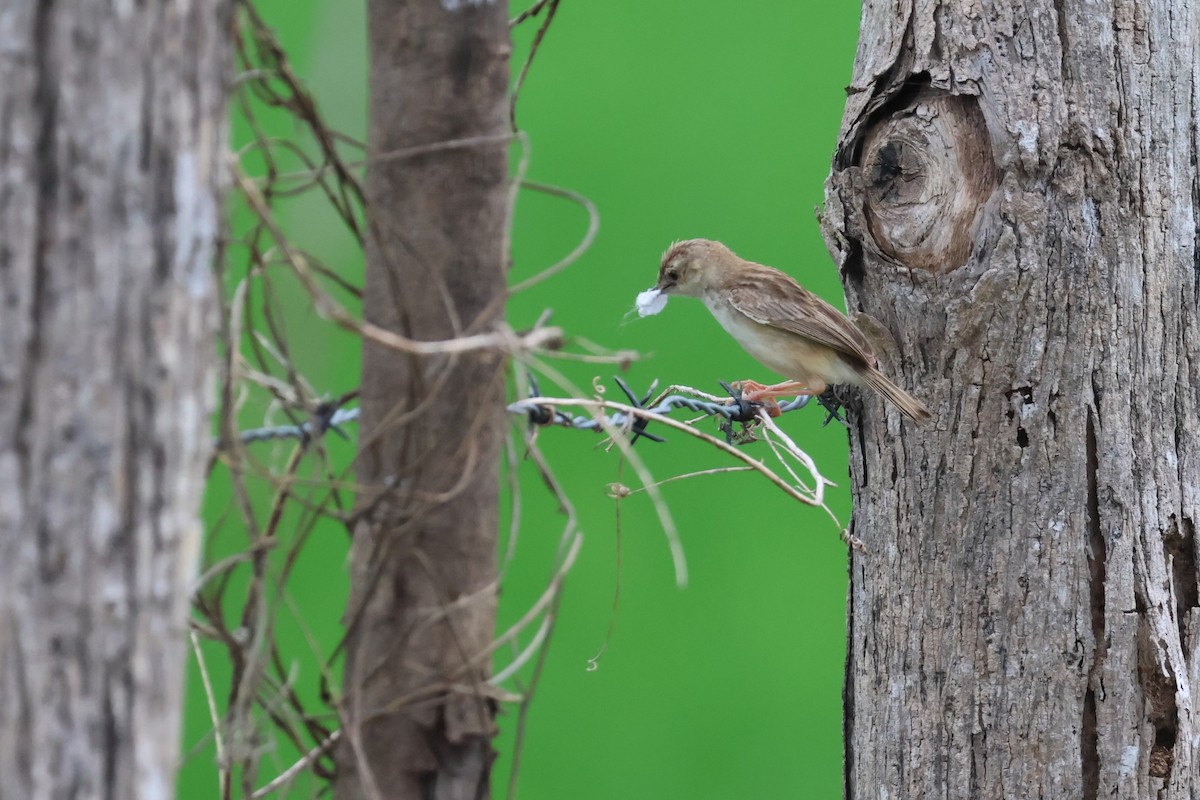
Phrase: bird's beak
(665, 285)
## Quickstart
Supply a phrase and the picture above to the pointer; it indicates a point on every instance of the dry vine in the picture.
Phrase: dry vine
(260, 686)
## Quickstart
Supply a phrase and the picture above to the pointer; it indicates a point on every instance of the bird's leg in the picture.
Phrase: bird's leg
(757, 392)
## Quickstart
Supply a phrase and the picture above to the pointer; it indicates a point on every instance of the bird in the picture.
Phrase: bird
(787, 328)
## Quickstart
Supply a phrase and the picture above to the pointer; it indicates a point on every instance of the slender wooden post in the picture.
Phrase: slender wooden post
(417, 712)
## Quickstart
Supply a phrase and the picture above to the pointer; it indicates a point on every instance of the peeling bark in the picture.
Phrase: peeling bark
(1014, 197)
(418, 713)
(111, 145)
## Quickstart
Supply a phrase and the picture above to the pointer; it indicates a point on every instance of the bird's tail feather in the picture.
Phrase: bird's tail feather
(909, 406)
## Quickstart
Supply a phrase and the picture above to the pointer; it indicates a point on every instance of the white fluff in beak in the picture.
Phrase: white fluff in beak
(650, 302)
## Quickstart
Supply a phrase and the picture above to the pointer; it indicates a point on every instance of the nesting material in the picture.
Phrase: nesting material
(650, 302)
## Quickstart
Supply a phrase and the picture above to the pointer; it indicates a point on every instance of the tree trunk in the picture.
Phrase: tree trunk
(1014, 198)
(111, 145)
(416, 711)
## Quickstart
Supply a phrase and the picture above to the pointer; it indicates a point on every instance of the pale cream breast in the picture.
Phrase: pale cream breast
(789, 354)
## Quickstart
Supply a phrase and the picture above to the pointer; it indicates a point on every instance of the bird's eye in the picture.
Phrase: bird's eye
(673, 274)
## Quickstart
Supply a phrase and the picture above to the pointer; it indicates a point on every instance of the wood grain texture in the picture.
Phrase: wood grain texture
(112, 134)
(417, 712)
(1025, 622)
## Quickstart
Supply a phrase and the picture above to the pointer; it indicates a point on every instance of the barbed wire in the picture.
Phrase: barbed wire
(735, 408)
(327, 416)
(320, 423)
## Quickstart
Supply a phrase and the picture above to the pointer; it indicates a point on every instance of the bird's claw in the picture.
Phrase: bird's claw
(832, 403)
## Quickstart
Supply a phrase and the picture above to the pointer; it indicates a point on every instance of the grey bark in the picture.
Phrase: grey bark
(111, 140)
(417, 714)
(1014, 199)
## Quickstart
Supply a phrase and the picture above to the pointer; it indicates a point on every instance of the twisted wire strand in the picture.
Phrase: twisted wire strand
(733, 410)
(303, 431)
(586, 422)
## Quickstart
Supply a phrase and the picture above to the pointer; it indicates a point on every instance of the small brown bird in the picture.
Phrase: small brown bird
(786, 327)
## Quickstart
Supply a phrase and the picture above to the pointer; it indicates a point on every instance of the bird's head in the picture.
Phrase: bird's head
(689, 268)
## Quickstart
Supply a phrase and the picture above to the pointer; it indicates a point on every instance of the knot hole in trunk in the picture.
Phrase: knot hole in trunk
(928, 172)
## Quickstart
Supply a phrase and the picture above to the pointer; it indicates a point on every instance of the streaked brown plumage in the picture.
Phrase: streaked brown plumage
(779, 322)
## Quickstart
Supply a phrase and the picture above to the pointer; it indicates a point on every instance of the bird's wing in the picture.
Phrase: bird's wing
(771, 297)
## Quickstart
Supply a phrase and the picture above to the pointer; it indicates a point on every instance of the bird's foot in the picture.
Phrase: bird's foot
(757, 393)
(833, 400)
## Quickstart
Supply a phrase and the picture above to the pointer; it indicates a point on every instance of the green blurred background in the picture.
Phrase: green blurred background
(702, 119)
